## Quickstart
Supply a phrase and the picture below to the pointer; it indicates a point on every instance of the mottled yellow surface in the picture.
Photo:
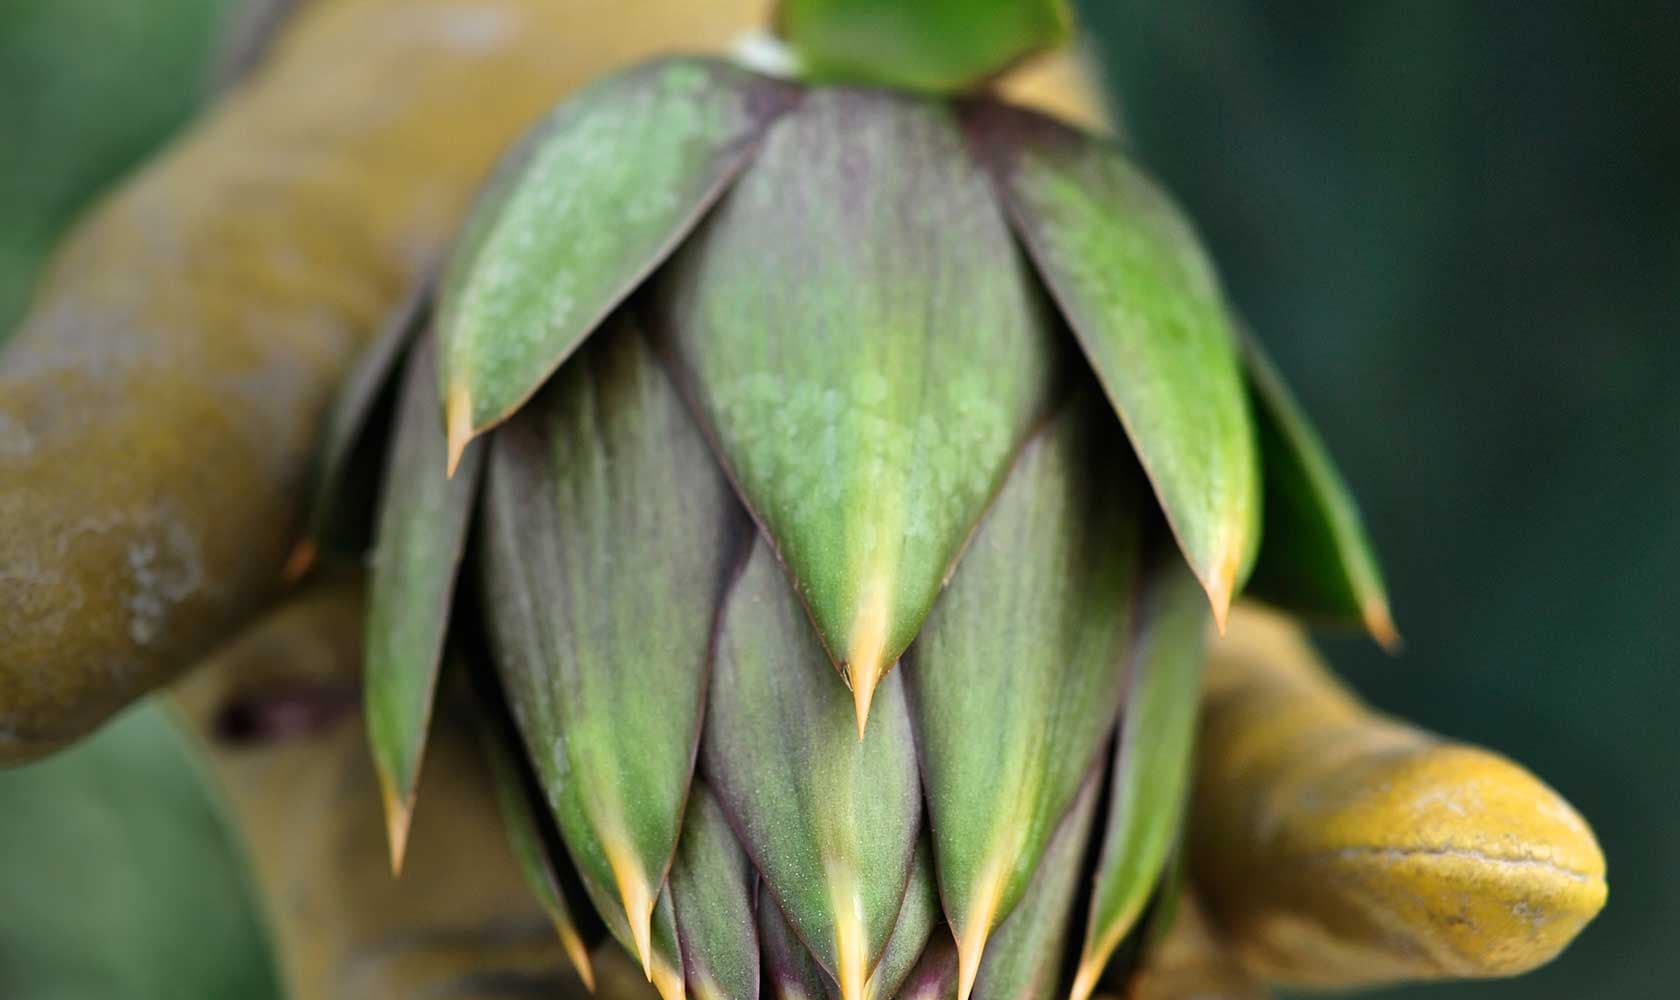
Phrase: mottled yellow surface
(1335, 847)
(159, 404)
(460, 921)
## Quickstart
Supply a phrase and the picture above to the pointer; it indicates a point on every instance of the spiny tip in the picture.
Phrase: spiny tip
(399, 814)
(977, 926)
(578, 953)
(1085, 980)
(863, 692)
(1380, 623)
(669, 982)
(851, 952)
(299, 562)
(969, 950)
(458, 420)
(868, 646)
(1221, 586)
(638, 902)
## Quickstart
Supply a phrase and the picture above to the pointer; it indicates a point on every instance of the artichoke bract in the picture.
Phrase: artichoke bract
(841, 487)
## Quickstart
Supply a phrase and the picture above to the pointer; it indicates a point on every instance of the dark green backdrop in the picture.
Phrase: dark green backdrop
(1457, 224)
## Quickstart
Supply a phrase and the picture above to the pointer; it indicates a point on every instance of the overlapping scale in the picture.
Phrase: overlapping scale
(867, 348)
(609, 537)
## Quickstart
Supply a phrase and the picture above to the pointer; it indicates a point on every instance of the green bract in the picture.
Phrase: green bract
(861, 475)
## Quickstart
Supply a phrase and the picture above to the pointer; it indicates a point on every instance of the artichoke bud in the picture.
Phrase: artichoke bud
(849, 481)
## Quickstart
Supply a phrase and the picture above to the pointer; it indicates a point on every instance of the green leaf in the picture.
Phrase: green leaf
(1017, 678)
(1024, 961)
(123, 875)
(864, 340)
(594, 200)
(1315, 557)
(1151, 763)
(829, 820)
(529, 851)
(610, 537)
(422, 533)
(73, 124)
(938, 46)
(917, 918)
(369, 388)
(711, 894)
(1143, 301)
(789, 970)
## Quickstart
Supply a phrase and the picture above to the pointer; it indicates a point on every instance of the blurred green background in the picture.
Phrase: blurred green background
(1457, 225)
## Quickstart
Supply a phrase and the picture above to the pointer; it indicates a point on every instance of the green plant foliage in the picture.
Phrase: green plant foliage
(937, 46)
(70, 124)
(119, 877)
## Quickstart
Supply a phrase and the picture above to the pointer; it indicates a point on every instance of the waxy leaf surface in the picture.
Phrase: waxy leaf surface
(861, 335)
(1017, 679)
(1143, 301)
(711, 894)
(1315, 557)
(421, 535)
(1152, 762)
(1024, 960)
(830, 820)
(610, 537)
(588, 206)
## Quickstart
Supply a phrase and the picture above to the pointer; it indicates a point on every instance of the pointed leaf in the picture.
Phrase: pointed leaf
(917, 918)
(1315, 557)
(711, 894)
(611, 534)
(595, 199)
(790, 972)
(663, 966)
(525, 838)
(859, 331)
(1024, 961)
(829, 820)
(1151, 763)
(1017, 678)
(422, 533)
(369, 389)
(1126, 269)
(931, 45)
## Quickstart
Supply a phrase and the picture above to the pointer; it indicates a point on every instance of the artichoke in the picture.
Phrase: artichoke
(842, 482)
(825, 497)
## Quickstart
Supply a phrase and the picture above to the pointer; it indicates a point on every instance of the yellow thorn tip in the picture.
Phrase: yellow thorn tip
(299, 562)
(398, 816)
(868, 648)
(1085, 980)
(458, 418)
(669, 982)
(1221, 585)
(1380, 624)
(977, 927)
(637, 896)
(579, 954)
(851, 952)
